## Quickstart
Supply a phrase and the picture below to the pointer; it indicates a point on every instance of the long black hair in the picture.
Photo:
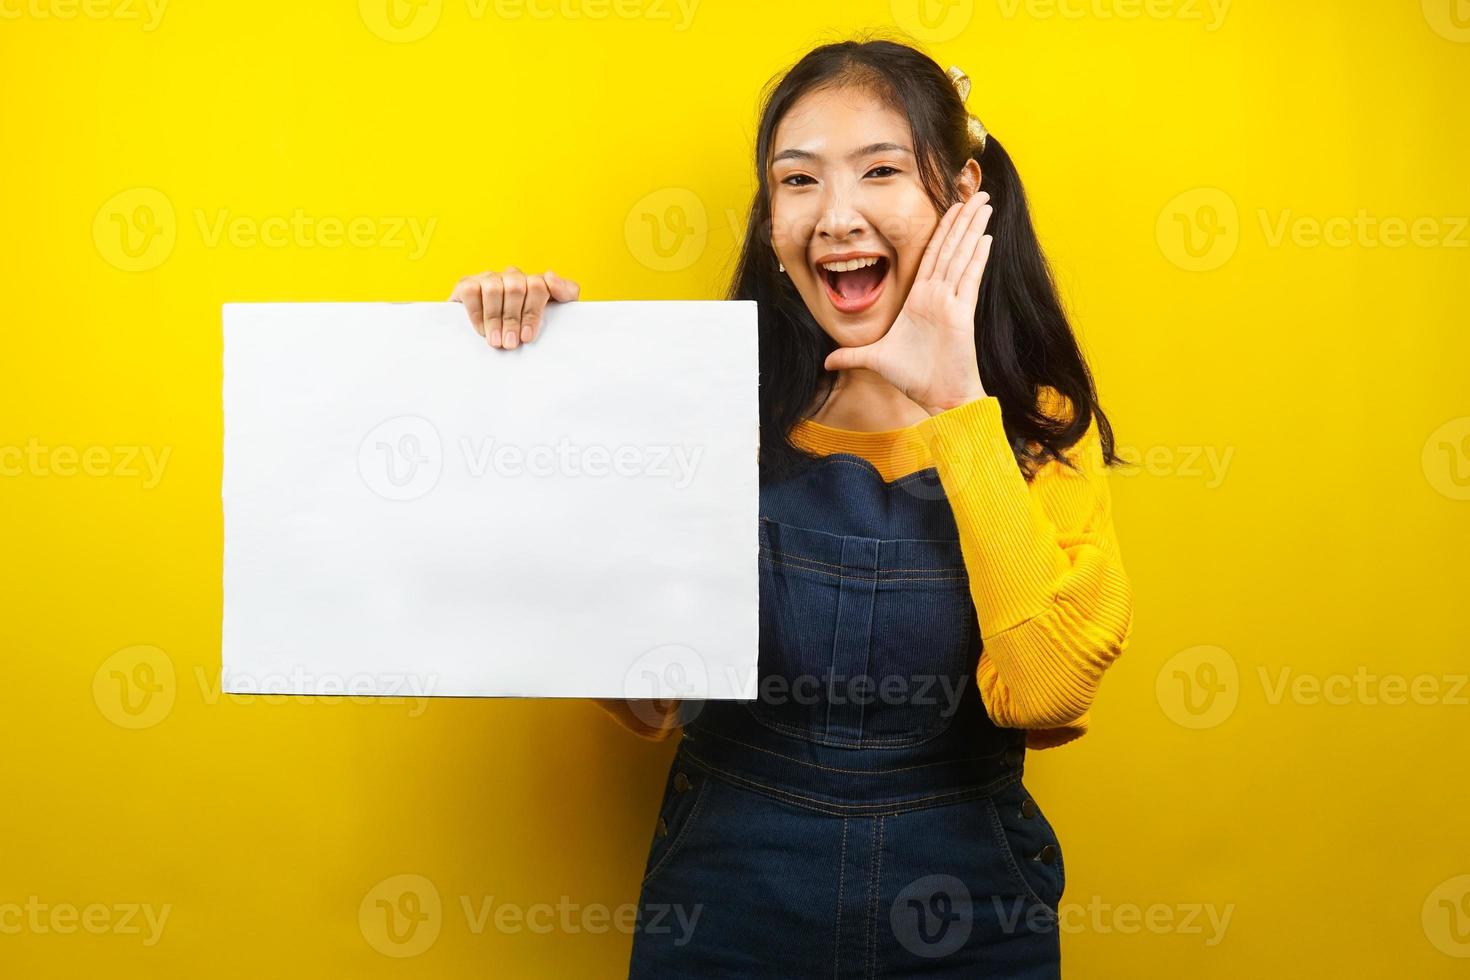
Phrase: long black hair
(1022, 338)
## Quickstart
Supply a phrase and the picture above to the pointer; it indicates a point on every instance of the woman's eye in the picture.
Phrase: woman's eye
(891, 170)
(793, 177)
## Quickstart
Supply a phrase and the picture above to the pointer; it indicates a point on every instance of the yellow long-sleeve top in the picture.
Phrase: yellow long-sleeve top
(1052, 597)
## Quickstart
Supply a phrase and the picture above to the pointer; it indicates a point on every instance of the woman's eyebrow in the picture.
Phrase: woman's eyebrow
(862, 151)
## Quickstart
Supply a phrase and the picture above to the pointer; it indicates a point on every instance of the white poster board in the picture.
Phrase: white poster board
(410, 511)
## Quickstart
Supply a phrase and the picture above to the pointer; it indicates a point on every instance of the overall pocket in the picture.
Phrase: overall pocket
(1028, 844)
(678, 814)
(864, 642)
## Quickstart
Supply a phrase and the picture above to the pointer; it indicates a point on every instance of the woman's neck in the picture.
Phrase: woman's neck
(862, 401)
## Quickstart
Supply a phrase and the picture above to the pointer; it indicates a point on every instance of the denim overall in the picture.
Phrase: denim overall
(863, 817)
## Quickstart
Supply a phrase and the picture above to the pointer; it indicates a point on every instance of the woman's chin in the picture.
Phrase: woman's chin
(859, 331)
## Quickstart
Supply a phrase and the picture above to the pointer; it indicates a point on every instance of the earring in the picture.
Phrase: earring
(782, 265)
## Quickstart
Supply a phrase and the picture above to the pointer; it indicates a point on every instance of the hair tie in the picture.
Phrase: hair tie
(977, 129)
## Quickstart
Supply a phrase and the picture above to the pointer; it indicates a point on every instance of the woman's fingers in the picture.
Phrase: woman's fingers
(537, 294)
(508, 308)
(492, 295)
(562, 290)
(931, 251)
(969, 285)
(515, 300)
(951, 240)
(968, 246)
(956, 244)
(467, 291)
(946, 237)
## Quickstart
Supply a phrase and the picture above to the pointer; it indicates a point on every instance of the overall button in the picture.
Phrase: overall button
(1014, 757)
(663, 828)
(681, 782)
(1048, 854)
(1028, 808)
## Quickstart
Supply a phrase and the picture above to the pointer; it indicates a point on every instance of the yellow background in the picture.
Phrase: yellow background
(1178, 157)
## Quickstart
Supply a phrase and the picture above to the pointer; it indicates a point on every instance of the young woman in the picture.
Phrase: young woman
(940, 586)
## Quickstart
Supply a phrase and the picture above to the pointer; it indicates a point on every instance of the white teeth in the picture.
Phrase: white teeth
(850, 264)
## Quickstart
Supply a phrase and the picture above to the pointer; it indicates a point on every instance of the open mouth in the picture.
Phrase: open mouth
(854, 289)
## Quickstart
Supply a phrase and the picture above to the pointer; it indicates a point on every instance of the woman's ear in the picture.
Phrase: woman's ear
(969, 179)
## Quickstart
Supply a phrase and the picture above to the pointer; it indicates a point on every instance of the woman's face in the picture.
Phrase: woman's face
(849, 216)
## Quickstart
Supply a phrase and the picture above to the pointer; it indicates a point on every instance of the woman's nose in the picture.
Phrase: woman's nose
(840, 225)
(839, 217)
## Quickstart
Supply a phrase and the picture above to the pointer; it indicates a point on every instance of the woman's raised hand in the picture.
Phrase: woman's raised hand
(929, 351)
(505, 307)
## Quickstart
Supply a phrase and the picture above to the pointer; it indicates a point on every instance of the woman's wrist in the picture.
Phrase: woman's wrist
(955, 401)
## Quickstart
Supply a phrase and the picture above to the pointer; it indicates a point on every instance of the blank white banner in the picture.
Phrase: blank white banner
(409, 511)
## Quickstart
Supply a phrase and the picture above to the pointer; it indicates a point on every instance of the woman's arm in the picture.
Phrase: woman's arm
(1052, 597)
